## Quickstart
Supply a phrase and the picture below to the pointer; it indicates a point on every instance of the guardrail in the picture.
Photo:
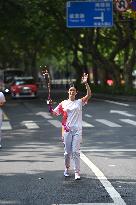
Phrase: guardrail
(57, 83)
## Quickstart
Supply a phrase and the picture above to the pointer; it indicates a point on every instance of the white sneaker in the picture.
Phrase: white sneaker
(66, 174)
(0, 146)
(77, 176)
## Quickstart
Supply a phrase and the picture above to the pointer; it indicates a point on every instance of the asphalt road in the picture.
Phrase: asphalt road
(31, 159)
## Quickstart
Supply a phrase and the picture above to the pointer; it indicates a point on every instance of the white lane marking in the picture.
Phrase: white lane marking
(45, 115)
(5, 117)
(108, 150)
(30, 124)
(112, 165)
(9, 202)
(6, 125)
(118, 103)
(132, 122)
(86, 124)
(56, 123)
(87, 115)
(107, 185)
(122, 113)
(108, 123)
(90, 204)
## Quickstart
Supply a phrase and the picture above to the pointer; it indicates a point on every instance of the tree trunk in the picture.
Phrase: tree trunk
(33, 66)
(128, 67)
(78, 68)
(95, 73)
(85, 67)
(27, 65)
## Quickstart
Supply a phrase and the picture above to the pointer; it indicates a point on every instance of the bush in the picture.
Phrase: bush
(113, 90)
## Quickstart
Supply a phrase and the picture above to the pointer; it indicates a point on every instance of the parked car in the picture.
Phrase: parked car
(23, 87)
(6, 77)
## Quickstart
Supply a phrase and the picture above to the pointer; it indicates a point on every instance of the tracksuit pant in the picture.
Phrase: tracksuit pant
(72, 147)
(1, 118)
(0, 130)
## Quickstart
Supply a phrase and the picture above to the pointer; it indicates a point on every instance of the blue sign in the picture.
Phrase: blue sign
(133, 5)
(89, 14)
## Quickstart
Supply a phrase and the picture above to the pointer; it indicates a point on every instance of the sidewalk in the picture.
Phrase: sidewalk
(115, 97)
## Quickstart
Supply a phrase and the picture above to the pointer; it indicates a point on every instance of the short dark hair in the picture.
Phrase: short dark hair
(70, 85)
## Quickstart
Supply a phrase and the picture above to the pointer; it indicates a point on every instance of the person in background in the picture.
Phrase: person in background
(2, 102)
(71, 111)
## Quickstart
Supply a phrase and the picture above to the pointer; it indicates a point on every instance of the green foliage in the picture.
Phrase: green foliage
(35, 32)
(113, 90)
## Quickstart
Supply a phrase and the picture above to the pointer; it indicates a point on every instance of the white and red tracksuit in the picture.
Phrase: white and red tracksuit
(72, 130)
